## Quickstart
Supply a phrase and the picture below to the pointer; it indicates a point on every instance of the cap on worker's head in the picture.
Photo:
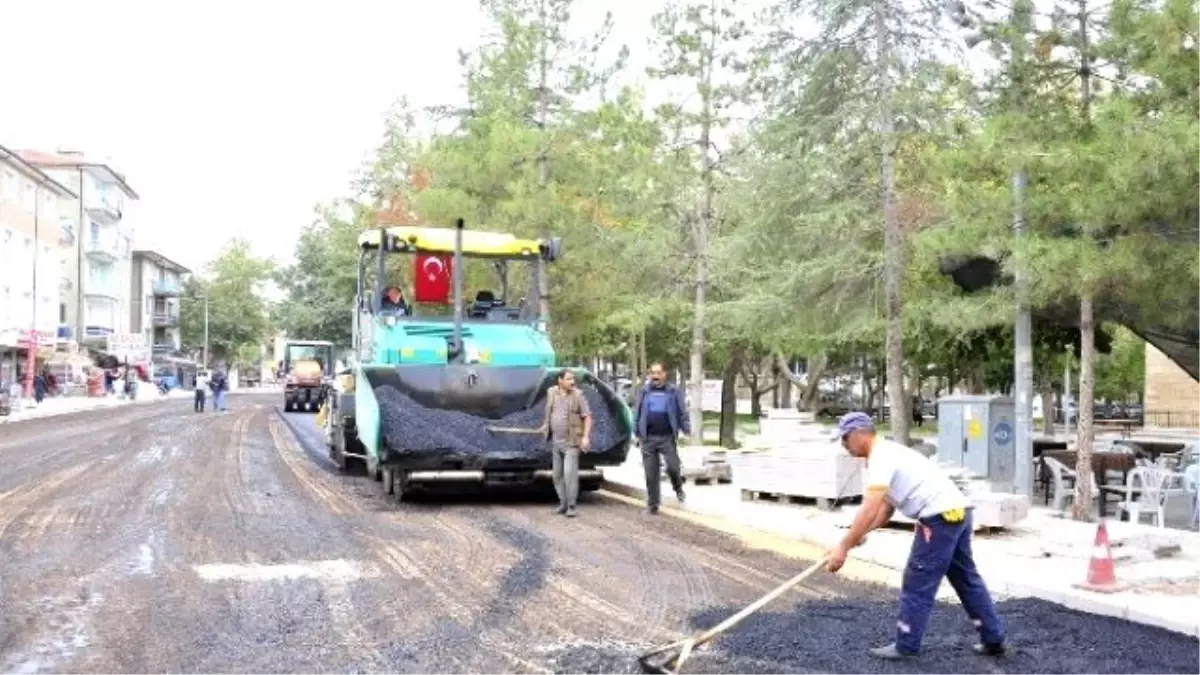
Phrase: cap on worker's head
(853, 421)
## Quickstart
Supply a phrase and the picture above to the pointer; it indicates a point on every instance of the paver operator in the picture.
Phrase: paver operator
(569, 430)
(899, 477)
(661, 416)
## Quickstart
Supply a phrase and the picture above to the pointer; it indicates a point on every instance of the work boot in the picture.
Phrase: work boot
(651, 511)
(570, 512)
(890, 653)
(989, 650)
(680, 496)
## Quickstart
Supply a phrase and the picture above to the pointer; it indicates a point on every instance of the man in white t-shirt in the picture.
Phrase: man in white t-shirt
(899, 477)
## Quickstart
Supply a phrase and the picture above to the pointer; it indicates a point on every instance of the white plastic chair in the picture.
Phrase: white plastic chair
(1191, 484)
(1146, 491)
(1064, 483)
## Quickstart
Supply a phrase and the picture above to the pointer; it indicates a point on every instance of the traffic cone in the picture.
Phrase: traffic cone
(1101, 575)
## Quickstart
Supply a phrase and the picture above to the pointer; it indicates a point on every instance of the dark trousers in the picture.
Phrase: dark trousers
(652, 447)
(198, 406)
(943, 550)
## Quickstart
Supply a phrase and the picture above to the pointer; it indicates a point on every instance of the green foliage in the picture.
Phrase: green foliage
(231, 290)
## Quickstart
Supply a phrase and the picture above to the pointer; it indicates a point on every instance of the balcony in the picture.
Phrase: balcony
(165, 319)
(105, 204)
(167, 288)
(104, 246)
(65, 332)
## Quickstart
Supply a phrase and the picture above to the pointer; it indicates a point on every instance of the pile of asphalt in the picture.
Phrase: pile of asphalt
(410, 427)
(833, 636)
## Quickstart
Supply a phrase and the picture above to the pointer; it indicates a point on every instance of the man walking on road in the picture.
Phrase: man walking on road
(201, 388)
(218, 384)
(569, 430)
(661, 416)
(899, 477)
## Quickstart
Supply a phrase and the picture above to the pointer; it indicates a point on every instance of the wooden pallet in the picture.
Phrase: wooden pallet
(781, 498)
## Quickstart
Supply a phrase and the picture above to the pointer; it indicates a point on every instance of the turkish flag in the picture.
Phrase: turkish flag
(432, 283)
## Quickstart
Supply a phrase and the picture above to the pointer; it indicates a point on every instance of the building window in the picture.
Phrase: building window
(11, 187)
(62, 312)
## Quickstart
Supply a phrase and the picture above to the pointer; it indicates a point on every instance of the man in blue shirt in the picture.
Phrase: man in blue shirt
(661, 417)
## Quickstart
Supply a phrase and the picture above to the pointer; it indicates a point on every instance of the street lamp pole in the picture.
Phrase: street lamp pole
(206, 331)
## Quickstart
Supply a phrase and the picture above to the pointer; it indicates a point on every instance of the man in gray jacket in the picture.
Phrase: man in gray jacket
(660, 417)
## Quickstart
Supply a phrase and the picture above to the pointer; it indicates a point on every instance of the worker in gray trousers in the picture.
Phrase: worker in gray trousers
(568, 428)
(661, 417)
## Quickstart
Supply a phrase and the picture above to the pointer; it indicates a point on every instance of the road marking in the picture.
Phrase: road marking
(324, 570)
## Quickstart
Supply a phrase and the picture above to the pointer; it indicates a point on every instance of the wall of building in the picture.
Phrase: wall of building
(29, 235)
(1172, 396)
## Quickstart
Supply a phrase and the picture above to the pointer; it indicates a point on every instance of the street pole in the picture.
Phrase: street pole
(206, 331)
(34, 340)
(1023, 358)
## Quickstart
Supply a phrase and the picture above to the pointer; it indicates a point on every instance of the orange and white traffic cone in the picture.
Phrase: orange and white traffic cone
(1101, 574)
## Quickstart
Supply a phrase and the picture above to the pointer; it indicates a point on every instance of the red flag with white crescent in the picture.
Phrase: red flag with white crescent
(432, 282)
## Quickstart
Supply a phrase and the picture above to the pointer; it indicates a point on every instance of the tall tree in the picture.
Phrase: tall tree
(702, 45)
(232, 291)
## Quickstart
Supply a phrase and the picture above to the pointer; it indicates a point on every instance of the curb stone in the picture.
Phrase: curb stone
(1121, 609)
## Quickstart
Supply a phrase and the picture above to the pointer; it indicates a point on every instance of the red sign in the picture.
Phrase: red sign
(432, 282)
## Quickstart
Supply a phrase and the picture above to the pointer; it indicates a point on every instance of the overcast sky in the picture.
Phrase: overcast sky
(234, 118)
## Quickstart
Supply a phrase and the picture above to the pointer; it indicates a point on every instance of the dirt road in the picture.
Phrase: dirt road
(152, 539)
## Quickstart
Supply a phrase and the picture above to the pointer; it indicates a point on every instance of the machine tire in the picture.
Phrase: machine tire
(401, 488)
(388, 480)
(590, 485)
(337, 451)
(287, 406)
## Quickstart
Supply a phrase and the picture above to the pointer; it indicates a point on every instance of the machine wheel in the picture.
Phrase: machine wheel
(401, 489)
(287, 406)
(589, 485)
(388, 480)
(337, 450)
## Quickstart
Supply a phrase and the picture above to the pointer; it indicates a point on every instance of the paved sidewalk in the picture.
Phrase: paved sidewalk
(66, 405)
(1043, 557)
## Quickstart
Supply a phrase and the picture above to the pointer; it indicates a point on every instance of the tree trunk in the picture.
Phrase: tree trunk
(811, 394)
(1047, 391)
(703, 229)
(643, 360)
(893, 238)
(632, 356)
(1082, 508)
(728, 432)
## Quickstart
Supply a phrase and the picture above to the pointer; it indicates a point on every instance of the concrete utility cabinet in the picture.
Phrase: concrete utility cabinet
(978, 434)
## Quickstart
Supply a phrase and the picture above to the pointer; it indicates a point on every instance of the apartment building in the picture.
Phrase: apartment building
(32, 231)
(97, 263)
(157, 282)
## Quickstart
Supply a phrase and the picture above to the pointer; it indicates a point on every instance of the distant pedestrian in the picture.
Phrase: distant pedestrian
(39, 388)
(660, 418)
(219, 384)
(201, 388)
(568, 427)
(899, 477)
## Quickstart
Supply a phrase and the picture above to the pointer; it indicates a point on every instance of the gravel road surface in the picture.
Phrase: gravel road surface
(152, 539)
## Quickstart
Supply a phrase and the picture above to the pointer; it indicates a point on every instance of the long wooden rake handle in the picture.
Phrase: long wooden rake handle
(688, 644)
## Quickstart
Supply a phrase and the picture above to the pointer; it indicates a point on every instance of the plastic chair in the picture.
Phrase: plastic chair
(1064, 483)
(1146, 490)
(1191, 484)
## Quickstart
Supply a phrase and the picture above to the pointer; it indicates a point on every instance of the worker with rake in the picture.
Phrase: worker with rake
(899, 477)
